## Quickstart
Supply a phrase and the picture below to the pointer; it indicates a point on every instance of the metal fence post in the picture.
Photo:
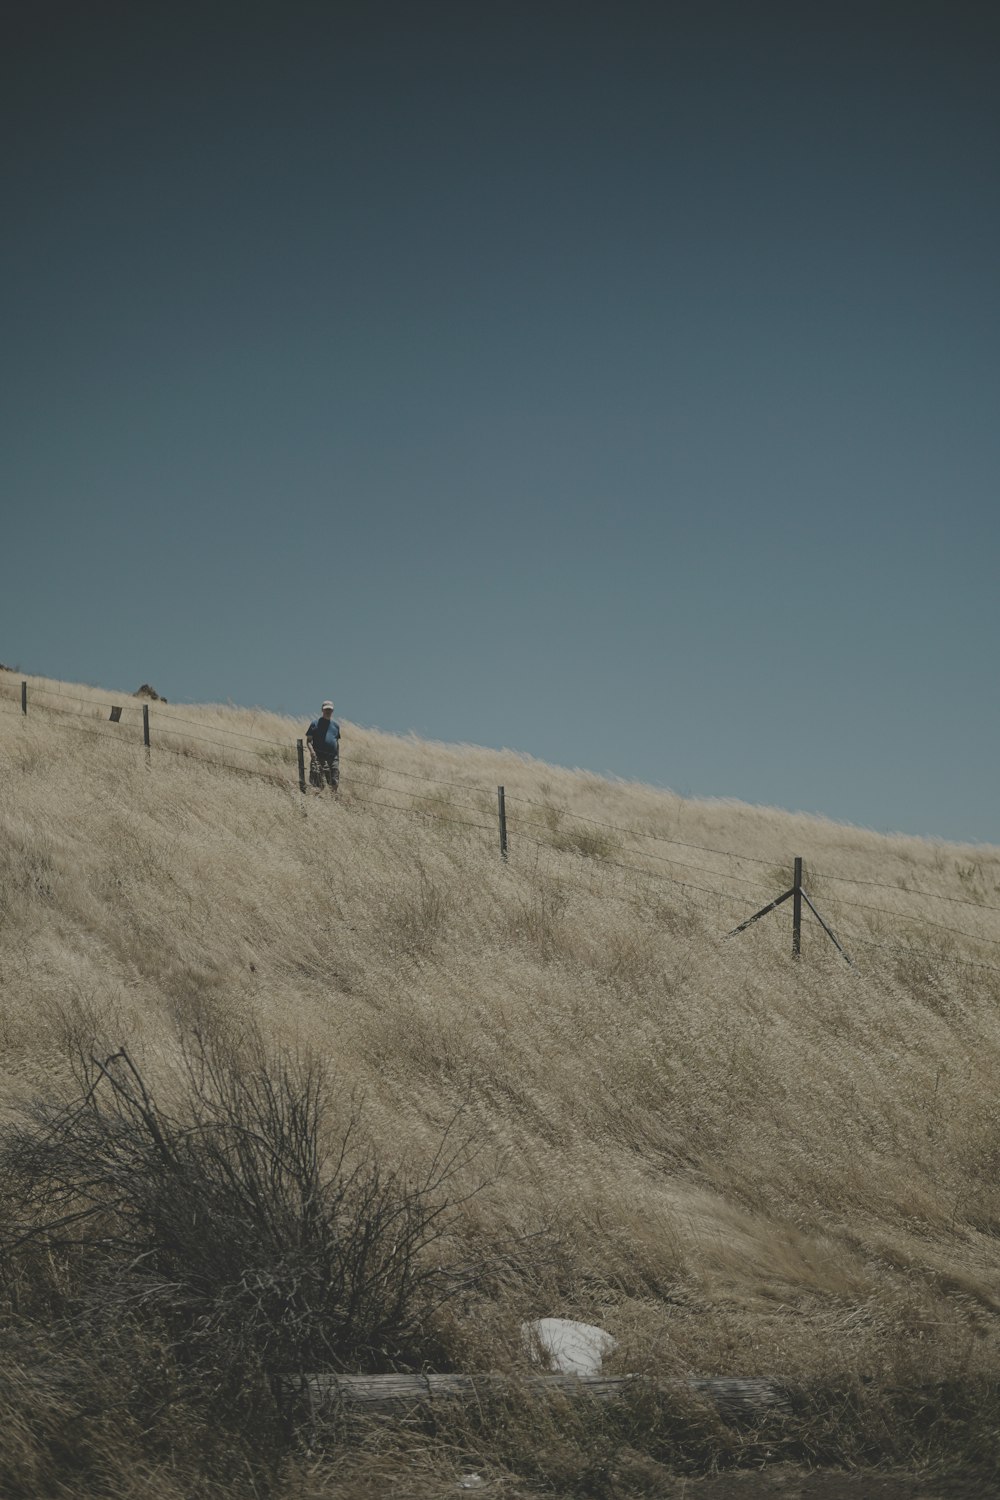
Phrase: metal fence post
(502, 811)
(797, 908)
(300, 750)
(145, 725)
(24, 697)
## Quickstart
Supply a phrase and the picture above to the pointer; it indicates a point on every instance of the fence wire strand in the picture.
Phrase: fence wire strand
(473, 799)
(419, 812)
(182, 734)
(904, 890)
(884, 911)
(274, 777)
(923, 953)
(643, 853)
(662, 838)
(243, 734)
(414, 776)
(653, 875)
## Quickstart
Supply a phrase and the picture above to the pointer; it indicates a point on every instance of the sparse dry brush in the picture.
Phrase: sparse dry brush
(736, 1162)
(207, 1250)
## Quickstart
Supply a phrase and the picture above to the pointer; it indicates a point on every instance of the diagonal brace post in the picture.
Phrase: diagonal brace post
(762, 913)
(829, 931)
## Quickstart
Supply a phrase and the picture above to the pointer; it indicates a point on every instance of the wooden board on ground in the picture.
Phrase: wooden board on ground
(737, 1400)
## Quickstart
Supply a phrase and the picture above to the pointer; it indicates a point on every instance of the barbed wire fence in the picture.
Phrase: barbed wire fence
(545, 827)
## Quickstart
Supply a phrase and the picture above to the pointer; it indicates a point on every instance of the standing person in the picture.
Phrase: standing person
(323, 739)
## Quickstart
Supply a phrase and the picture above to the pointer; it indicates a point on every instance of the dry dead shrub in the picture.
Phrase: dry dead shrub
(228, 1213)
(199, 1250)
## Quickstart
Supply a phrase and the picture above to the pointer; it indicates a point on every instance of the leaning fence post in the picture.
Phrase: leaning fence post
(300, 750)
(24, 697)
(502, 813)
(797, 908)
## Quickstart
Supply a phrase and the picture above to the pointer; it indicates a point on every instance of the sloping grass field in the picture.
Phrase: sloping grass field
(546, 1085)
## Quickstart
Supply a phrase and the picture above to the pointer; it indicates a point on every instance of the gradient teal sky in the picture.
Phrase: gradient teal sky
(613, 382)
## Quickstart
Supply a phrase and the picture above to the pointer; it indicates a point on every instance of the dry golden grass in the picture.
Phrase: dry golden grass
(753, 1165)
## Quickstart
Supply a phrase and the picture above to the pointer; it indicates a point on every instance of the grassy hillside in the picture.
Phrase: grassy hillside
(736, 1161)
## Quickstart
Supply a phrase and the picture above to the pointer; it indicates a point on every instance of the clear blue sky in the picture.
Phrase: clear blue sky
(617, 382)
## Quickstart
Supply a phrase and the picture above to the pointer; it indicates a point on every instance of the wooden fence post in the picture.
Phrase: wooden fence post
(145, 725)
(24, 697)
(502, 813)
(300, 750)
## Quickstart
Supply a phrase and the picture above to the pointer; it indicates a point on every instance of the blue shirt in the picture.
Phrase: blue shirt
(324, 736)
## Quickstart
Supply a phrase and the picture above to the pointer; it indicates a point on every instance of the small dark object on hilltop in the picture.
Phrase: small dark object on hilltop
(148, 692)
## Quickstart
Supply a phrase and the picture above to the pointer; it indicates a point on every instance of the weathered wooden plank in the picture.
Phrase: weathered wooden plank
(737, 1399)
